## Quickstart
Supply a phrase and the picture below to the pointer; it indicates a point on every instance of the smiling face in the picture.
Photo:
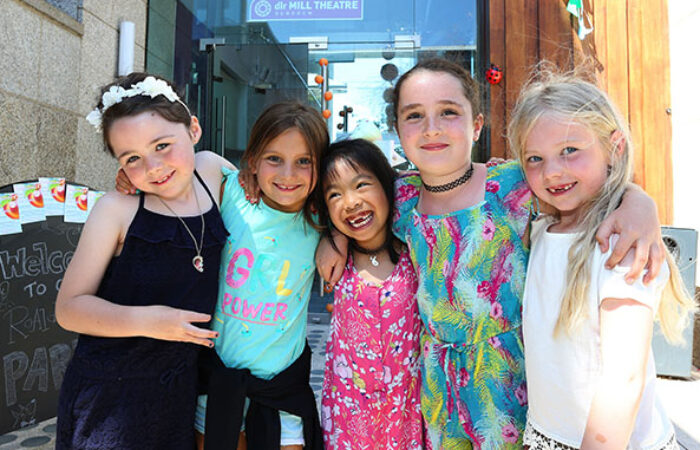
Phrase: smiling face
(436, 126)
(157, 155)
(566, 165)
(357, 205)
(284, 172)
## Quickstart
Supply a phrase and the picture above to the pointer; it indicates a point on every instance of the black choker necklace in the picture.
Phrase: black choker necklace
(452, 184)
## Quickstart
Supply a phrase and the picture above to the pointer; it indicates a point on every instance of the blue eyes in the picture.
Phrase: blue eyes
(566, 151)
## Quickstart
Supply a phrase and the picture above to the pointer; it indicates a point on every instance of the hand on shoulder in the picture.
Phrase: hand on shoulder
(628, 259)
(209, 161)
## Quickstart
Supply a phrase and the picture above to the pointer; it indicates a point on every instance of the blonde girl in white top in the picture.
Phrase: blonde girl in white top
(587, 333)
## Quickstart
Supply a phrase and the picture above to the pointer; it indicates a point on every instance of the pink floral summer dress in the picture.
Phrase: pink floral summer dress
(371, 388)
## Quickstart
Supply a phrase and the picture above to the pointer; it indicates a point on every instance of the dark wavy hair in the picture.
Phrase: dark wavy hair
(359, 154)
(470, 87)
(132, 106)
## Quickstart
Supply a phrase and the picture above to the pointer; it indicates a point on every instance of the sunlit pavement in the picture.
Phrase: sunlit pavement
(681, 398)
(42, 435)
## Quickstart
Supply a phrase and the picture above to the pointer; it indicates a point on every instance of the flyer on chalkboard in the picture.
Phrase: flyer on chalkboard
(30, 202)
(54, 191)
(9, 218)
(76, 206)
(93, 196)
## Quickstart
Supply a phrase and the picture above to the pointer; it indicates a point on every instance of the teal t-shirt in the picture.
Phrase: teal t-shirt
(266, 275)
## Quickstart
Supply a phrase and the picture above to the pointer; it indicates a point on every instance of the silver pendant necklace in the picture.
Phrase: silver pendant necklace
(198, 260)
(373, 254)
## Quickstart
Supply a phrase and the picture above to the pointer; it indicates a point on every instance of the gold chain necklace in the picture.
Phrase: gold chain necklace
(198, 260)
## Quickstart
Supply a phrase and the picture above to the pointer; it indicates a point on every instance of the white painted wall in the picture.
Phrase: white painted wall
(684, 19)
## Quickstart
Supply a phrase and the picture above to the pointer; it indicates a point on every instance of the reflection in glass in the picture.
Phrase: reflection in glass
(228, 85)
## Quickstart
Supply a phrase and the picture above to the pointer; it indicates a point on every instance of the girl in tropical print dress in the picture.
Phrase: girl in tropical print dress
(466, 227)
(371, 389)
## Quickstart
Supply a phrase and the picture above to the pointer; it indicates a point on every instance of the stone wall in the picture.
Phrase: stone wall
(51, 67)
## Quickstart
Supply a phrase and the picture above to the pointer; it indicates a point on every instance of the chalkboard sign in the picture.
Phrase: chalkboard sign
(35, 350)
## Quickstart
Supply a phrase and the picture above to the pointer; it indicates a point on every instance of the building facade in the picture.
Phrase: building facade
(235, 57)
(54, 56)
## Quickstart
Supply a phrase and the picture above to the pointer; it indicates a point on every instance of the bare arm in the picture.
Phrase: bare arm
(637, 223)
(625, 335)
(330, 262)
(79, 309)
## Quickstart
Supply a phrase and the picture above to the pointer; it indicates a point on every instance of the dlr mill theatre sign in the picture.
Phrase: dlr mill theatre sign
(275, 10)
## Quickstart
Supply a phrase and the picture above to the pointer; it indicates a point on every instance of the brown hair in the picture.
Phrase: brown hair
(470, 87)
(132, 106)
(277, 119)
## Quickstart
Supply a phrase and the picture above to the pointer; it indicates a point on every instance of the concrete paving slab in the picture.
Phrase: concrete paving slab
(42, 436)
(681, 399)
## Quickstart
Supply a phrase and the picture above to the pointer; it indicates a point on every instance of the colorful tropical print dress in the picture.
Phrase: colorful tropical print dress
(471, 267)
(371, 388)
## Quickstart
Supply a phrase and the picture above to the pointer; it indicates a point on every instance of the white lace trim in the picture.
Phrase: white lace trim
(538, 441)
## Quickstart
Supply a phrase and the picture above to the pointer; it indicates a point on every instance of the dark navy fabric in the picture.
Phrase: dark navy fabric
(137, 392)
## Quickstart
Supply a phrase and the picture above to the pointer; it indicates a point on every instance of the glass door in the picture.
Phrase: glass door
(240, 81)
(237, 57)
(361, 78)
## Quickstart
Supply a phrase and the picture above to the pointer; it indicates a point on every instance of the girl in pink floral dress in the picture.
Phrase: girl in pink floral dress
(371, 388)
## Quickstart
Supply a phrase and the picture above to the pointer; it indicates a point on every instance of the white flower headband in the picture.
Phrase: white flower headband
(149, 86)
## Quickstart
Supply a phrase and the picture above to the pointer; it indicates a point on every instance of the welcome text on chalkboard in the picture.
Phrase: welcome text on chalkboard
(35, 350)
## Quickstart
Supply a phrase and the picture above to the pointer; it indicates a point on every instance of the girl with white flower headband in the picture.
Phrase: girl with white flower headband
(143, 276)
(257, 375)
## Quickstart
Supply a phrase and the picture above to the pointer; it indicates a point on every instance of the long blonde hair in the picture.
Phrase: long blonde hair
(570, 97)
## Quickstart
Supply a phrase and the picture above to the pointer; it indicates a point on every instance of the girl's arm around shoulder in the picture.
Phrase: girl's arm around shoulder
(331, 257)
(79, 309)
(209, 166)
(637, 223)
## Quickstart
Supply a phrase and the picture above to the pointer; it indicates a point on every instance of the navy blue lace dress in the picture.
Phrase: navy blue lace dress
(140, 393)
